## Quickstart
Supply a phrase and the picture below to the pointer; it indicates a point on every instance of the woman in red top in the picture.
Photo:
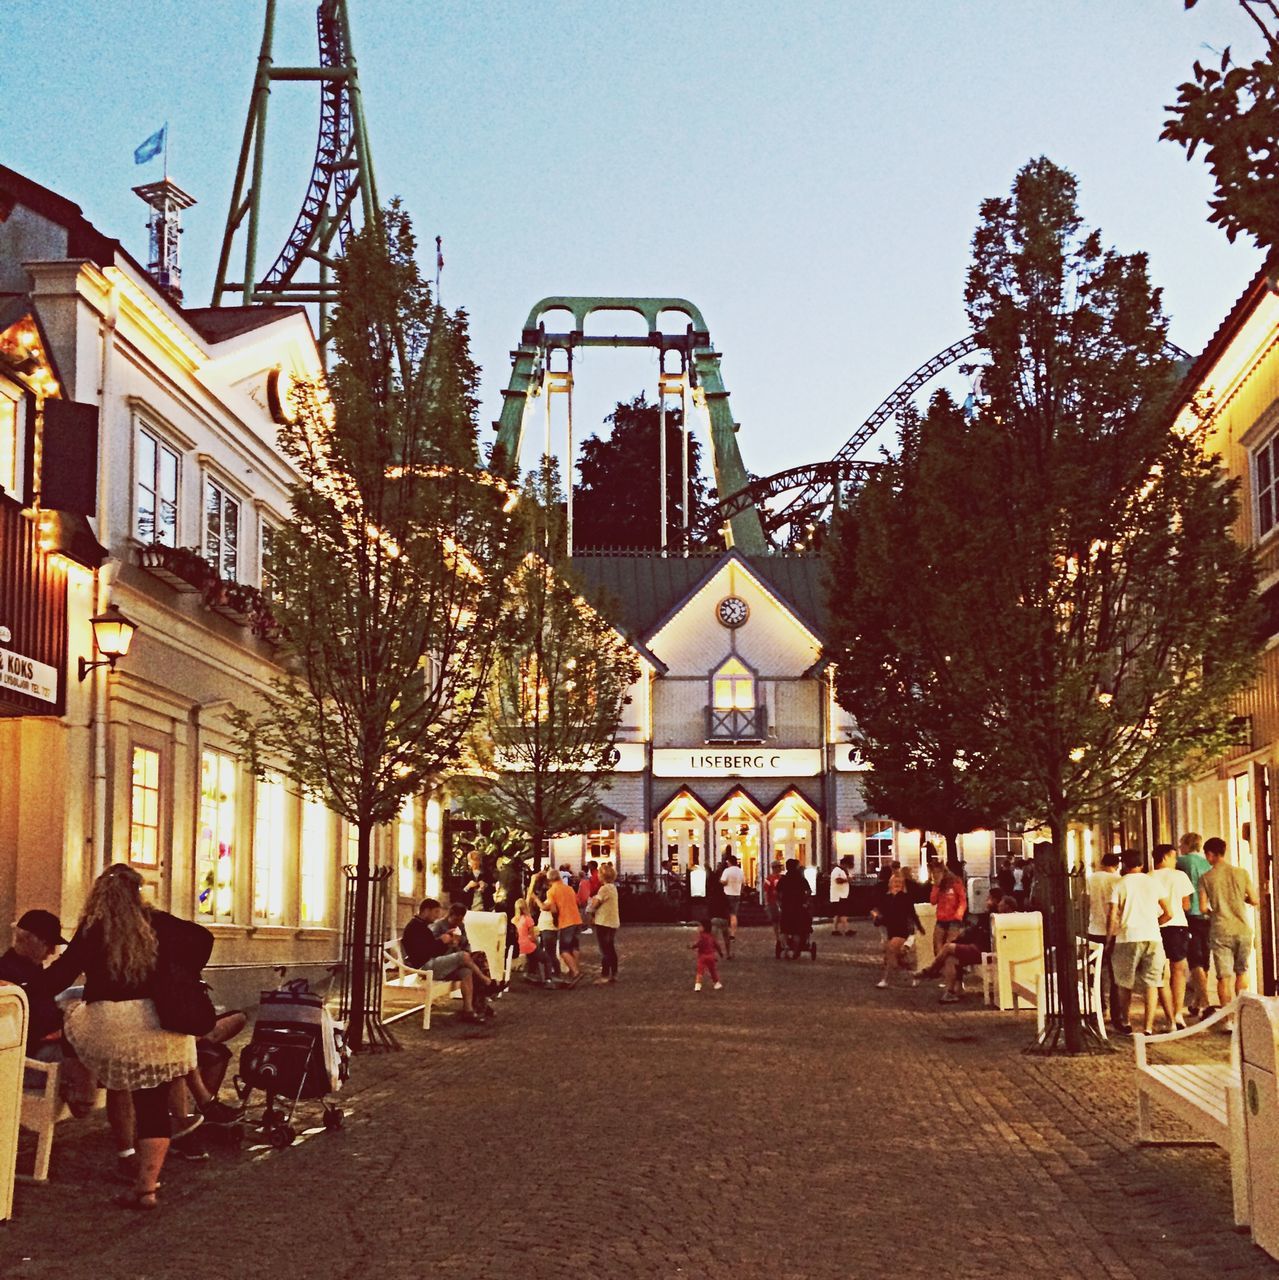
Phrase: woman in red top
(770, 899)
(951, 901)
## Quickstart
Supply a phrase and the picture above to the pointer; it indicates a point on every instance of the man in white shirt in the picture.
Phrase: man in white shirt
(731, 877)
(1176, 889)
(839, 875)
(1100, 885)
(1136, 912)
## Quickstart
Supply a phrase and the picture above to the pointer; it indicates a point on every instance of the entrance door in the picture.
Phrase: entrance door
(682, 829)
(147, 833)
(791, 830)
(738, 830)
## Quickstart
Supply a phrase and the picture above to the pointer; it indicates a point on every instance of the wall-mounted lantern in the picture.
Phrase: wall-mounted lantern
(112, 635)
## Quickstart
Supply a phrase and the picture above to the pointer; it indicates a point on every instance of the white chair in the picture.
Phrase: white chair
(41, 1110)
(406, 977)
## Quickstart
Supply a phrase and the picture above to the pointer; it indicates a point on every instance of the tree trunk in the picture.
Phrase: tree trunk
(953, 860)
(1059, 936)
(536, 841)
(360, 938)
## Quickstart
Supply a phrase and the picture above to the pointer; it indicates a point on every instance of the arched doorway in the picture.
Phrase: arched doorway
(792, 830)
(681, 831)
(738, 828)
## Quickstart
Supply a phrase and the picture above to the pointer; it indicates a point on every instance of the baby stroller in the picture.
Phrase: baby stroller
(797, 930)
(297, 1052)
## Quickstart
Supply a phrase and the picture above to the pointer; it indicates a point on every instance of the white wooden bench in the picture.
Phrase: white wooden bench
(1206, 1096)
(406, 977)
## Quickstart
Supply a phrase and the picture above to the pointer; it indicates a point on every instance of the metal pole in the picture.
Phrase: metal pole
(568, 459)
(261, 97)
(684, 492)
(661, 451)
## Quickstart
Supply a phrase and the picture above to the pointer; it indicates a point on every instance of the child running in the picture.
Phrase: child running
(708, 952)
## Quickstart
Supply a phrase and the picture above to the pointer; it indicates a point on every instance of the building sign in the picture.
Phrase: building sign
(27, 676)
(736, 762)
(846, 757)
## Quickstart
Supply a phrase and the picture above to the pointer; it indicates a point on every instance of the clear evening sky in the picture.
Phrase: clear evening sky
(807, 173)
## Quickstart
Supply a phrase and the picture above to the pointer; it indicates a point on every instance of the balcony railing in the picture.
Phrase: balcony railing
(736, 726)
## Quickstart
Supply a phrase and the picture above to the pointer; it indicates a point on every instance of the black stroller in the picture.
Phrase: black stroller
(796, 901)
(298, 1052)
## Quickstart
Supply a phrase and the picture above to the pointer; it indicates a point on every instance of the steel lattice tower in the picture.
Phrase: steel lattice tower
(341, 185)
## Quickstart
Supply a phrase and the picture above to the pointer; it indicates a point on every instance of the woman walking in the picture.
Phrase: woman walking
(896, 913)
(608, 920)
(539, 907)
(951, 901)
(124, 947)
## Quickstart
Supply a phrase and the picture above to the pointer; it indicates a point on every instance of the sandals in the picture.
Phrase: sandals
(144, 1200)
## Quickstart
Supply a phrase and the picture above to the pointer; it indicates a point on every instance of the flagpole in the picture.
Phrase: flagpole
(439, 262)
(166, 151)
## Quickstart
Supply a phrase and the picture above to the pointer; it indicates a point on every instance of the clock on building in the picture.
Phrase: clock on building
(732, 611)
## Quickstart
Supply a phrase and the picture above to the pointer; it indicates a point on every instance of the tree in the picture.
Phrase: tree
(929, 770)
(618, 501)
(385, 590)
(1085, 612)
(1232, 111)
(558, 687)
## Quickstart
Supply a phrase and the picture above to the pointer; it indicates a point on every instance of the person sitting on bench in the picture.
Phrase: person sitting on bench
(423, 949)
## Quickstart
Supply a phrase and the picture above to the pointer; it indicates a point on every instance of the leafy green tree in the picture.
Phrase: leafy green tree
(386, 588)
(617, 502)
(557, 690)
(1082, 613)
(1231, 110)
(930, 769)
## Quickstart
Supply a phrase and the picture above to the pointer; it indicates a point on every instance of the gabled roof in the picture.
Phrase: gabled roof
(641, 590)
(217, 324)
(84, 240)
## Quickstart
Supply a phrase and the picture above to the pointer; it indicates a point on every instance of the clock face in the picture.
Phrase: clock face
(732, 611)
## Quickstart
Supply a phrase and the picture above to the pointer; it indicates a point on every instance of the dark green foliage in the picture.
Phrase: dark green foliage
(1231, 110)
(617, 500)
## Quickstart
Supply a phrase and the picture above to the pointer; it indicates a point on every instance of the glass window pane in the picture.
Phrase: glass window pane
(8, 444)
(167, 482)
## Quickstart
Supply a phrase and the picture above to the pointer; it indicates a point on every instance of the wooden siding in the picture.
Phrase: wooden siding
(33, 605)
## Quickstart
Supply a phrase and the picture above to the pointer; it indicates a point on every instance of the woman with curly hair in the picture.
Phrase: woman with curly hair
(121, 946)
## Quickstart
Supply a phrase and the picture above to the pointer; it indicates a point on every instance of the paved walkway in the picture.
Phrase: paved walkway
(798, 1125)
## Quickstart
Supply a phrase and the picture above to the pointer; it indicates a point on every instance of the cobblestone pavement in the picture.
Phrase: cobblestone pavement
(798, 1125)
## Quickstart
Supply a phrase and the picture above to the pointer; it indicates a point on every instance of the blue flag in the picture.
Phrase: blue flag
(151, 147)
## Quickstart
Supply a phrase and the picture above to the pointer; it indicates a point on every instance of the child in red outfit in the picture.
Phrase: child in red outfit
(708, 952)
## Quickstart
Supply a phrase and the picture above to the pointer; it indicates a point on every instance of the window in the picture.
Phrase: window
(144, 808)
(270, 808)
(878, 844)
(157, 515)
(269, 562)
(733, 687)
(10, 426)
(406, 848)
(1007, 845)
(317, 861)
(215, 845)
(221, 531)
(434, 849)
(1265, 464)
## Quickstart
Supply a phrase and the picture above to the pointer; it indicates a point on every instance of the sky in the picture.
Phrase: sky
(809, 174)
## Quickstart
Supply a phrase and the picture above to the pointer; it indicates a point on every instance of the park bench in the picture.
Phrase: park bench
(402, 976)
(1205, 1096)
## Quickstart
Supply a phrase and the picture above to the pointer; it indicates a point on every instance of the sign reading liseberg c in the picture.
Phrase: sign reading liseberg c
(20, 674)
(736, 762)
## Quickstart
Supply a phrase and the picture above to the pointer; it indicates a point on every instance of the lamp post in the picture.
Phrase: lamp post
(112, 635)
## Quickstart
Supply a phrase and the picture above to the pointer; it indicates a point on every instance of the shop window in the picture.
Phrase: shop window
(157, 491)
(878, 844)
(406, 848)
(222, 531)
(10, 440)
(1265, 471)
(269, 834)
(317, 861)
(144, 808)
(215, 847)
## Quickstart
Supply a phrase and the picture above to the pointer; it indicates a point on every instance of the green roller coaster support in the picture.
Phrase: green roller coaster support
(529, 362)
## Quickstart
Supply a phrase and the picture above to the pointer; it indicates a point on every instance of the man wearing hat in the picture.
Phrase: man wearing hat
(37, 936)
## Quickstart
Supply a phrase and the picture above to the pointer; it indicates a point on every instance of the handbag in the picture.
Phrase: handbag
(182, 1001)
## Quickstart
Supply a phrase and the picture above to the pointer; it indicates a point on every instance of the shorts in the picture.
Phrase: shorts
(568, 938)
(446, 967)
(1139, 964)
(951, 929)
(839, 908)
(1231, 953)
(733, 900)
(1176, 941)
(1198, 952)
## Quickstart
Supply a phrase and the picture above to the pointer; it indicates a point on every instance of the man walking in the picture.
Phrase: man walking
(839, 875)
(568, 920)
(1175, 888)
(1136, 913)
(1196, 866)
(731, 878)
(1225, 893)
(1097, 892)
